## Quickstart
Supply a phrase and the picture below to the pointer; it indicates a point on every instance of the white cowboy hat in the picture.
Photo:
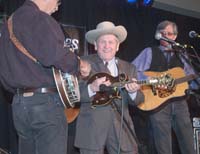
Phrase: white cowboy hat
(106, 27)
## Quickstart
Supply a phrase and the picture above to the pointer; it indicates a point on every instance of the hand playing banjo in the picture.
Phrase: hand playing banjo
(85, 68)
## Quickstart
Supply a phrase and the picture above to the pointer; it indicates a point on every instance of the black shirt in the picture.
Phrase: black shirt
(42, 36)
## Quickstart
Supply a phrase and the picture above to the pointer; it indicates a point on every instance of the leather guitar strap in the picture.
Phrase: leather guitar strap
(17, 43)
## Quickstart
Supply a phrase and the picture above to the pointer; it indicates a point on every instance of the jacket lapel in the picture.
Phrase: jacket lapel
(119, 66)
(100, 65)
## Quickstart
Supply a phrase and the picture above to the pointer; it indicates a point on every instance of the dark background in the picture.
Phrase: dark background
(140, 23)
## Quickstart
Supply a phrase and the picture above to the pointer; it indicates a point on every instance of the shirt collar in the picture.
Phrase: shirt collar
(111, 62)
(163, 48)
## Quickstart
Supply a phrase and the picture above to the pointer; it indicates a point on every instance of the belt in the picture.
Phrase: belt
(42, 90)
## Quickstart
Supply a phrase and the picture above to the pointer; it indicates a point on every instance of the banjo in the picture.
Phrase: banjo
(68, 88)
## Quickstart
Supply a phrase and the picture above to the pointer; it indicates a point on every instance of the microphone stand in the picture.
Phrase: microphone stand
(141, 147)
(184, 54)
(188, 60)
(196, 54)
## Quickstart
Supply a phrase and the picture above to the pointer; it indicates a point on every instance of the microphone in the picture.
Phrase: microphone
(158, 36)
(193, 34)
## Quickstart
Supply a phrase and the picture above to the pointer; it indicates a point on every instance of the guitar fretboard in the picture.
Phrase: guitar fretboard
(185, 79)
(147, 82)
(140, 82)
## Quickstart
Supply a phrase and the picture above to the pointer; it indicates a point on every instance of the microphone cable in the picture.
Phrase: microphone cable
(141, 147)
(121, 122)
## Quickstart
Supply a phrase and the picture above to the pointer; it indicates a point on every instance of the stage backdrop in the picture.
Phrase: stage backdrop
(75, 38)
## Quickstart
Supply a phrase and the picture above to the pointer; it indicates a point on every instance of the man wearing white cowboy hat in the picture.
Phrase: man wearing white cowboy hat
(100, 127)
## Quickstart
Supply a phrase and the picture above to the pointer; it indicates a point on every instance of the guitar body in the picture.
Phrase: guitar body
(152, 101)
(174, 81)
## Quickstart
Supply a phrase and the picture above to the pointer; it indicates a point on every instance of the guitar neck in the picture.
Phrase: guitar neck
(185, 79)
(146, 82)
(140, 82)
(155, 81)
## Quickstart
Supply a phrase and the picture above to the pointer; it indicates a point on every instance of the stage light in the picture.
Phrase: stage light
(147, 2)
(131, 1)
(141, 3)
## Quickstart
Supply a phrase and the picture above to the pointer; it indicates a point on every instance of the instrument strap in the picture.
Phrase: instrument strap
(17, 43)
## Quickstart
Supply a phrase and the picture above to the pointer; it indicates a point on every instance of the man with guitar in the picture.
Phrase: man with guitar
(99, 122)
(31, 44)
(174, 115)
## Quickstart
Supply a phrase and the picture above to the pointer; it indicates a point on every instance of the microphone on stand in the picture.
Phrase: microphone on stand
(193, 34)
(158, 36)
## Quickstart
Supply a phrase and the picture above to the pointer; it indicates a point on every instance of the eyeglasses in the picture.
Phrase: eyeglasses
(167, 33)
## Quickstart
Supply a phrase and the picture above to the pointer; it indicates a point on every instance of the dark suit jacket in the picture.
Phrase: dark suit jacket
(93, 125)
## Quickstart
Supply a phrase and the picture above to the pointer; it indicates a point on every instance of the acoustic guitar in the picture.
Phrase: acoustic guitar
(156, 100)
(105, 97)
(174, 80)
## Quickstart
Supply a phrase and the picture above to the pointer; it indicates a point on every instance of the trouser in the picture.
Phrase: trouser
(101, 151)
(173, 116)
(112, 140)
(40, 123)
